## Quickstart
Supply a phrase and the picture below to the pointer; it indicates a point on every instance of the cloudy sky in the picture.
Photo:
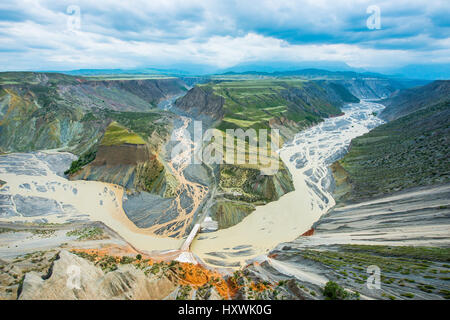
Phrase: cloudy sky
(67, 35)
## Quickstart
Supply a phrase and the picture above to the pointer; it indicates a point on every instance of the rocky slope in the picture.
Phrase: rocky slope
(200, 101)
(241, 189)
(90, 261)
(96, 275)
(49, 110)
(407, 101)
(127, 282)
(404, 234)
(407, 152)
(113, 125)
(40, 111)
(370, 88)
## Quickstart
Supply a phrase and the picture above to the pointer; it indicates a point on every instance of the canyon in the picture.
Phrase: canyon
(77, 151)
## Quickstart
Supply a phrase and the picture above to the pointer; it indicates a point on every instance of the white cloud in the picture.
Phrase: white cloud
(115, 34)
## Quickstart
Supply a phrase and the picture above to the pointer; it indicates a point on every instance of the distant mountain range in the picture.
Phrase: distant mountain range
(423, 71)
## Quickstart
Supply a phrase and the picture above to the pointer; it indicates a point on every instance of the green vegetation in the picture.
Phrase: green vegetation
(426, 288)
(34, 78)
(228, 213)
(347, 265)
(403, 260)
(127, 260)
(149, 175)
(43, 233)
(116, 134)
(83, 160)
(183, 293)
(252, 103)
(410, 151)
(243, 188)
(333, 291)
(342, 92)
(88, 233)
(289, 104)
(413, 99)
(248, 185)
(4, 230)
(143, 124)
(419, 253)
(124, 76)
(150, 129)
(445, 294)
(106, 263)
(155, 269)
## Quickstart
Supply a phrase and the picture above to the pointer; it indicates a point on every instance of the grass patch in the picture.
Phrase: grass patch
(333, 291)
(88, 233)
(116, 134)
(419, 253)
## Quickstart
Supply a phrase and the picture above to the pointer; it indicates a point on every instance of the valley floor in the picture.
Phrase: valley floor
(46, 221)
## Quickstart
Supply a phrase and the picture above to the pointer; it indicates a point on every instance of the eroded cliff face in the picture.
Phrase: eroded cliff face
(404, 102)
(131, 166)
(342, 185)
(248, 184)
(29, 122)
(46, 111)
(122, 95)
(370, 88)
(202, 102)
(124, 154)
(289, 106)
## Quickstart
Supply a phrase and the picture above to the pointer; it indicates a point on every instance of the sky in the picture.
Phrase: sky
(220, 35)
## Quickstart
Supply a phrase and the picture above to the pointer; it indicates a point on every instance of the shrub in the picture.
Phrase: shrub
(81, 162)
(333, 291)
